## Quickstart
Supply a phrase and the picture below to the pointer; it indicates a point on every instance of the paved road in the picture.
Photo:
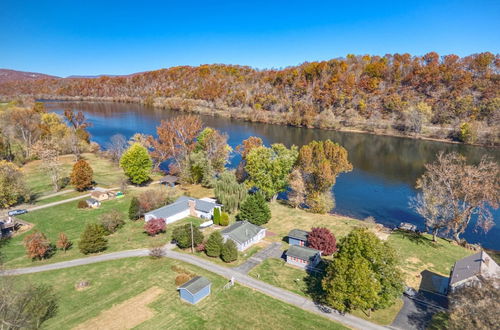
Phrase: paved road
(228, 273)
(415, 315)
(271, 251)
(62, 192)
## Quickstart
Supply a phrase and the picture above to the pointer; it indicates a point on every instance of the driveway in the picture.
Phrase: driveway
(417, 312)
(229, 273)
(271, 251)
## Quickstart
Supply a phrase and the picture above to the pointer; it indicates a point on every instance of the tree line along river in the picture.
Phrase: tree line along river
(385, 168)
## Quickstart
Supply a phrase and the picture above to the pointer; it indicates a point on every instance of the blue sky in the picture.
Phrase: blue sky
(103, 37)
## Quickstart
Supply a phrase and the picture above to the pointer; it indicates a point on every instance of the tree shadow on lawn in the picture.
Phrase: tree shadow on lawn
(417, 238)
(313, 281)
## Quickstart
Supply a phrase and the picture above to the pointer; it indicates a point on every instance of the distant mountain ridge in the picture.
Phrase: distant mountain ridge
(7, 75)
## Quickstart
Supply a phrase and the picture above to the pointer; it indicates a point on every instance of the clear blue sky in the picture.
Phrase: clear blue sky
(86, 37)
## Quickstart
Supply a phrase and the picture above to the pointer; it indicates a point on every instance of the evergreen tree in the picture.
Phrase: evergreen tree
(134, 210)
(229, 252)
(136, 163)
(81, 175)
(224, 219)
(182, 235)
(255, 210)
(229, 192)
(214, 244)
(93, 239)
(217, 216)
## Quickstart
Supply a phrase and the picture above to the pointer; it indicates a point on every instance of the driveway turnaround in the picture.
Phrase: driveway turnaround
(229, 273)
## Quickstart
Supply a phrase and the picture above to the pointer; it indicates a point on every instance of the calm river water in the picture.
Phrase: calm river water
(385, 168)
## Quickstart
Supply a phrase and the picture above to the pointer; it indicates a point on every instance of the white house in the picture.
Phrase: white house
(183, 207)
(303, 257)
(471, 269)
(244, 234)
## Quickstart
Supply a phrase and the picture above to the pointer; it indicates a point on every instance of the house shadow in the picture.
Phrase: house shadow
(434, 288)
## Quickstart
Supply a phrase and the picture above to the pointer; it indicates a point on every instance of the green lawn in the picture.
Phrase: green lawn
(69, 219)
(242, 256)
(106, 173)
(115, 282)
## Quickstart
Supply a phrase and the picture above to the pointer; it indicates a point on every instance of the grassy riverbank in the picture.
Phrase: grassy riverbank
(115, 284)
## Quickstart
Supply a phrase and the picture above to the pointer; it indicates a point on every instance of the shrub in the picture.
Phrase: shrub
(82, 204)
(93, 239)
(81, 175)
(216, 216)
(229, 252)
(255, 210)
(112, 221)
(37, 246)
(63, 243)
(214, 244)
(200, 247)
(322, 239)
(224, 219)
(156, 252)
(134, 212)
(181, 279)
(182, 236)
(320, 202)
(155, 226)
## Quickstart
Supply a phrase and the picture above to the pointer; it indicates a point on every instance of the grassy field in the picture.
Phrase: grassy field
(69, 219)
(106, 174)
(118, 282)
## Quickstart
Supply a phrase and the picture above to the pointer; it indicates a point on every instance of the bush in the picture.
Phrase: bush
(214, 244)
(216, 216)
(37, 246)
(322, 239)
(320, 202)
(155, 226)
(112, 221)
(255, 210)
(224, 219)
(182, 236)
(82, 204)
(63, 243)
(200, 247)
(229, 252)
(181, 279)
(93, 239)
(156, 252)
(134, 211)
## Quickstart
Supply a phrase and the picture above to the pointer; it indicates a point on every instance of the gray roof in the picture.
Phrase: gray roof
(298, 234)
(180, 205)
(301, 252)
(92, 201)
(467, 267)
(241, 231)
(196, 284)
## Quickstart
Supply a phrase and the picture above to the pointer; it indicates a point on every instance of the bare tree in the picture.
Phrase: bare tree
(117, 145)
(453, 192)
(49, 156)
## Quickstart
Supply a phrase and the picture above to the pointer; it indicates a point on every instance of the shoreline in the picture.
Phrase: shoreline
(207, 111)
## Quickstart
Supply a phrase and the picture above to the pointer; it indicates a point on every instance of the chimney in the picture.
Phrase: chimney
(192, 205)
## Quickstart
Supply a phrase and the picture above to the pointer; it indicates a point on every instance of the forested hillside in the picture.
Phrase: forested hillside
(436, 96)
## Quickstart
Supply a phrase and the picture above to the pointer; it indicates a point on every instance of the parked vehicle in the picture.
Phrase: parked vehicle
(410, 292)
(17, 212)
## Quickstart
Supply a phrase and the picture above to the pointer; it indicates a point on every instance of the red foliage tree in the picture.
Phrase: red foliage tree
(155, 226)
(322, 239)
(37, 245)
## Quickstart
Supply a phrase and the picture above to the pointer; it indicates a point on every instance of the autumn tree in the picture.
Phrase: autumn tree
(320, 202)
(136, 163)
(473, 307)
(255, 209)
(215, 146)
(364, 274)
(81, 175)
(79, 125)
(322, 239)
(176, 140)
(155, 226)
(229, 192)
(49, 157)
(37, 246)
(12, 184)
(197, 169)
(453, 192)
(243, 149)
(63, 242)
(155, 198)
(268, 168)
(297, 192)
(93, 239)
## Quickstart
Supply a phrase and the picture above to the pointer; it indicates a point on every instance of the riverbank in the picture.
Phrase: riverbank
(382, 128)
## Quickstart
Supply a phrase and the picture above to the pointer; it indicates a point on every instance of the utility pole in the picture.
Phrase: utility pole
(192, 238)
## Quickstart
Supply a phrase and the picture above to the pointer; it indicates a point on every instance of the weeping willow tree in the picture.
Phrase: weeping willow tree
(229, 192)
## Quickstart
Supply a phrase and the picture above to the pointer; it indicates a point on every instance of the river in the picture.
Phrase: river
(385, 168)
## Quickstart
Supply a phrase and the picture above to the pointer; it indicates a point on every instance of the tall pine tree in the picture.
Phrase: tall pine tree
(255, 210)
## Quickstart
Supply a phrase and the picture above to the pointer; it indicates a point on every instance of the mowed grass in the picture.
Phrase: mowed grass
(69, 219)
(106, 173)
(114, 282)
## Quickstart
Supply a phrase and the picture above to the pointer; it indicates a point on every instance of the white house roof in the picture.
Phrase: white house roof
(181, 205)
